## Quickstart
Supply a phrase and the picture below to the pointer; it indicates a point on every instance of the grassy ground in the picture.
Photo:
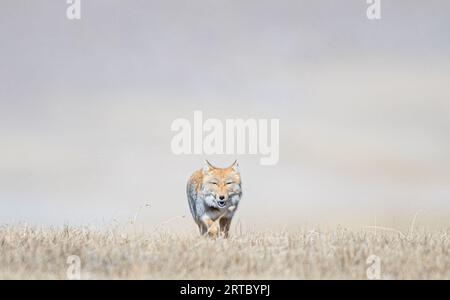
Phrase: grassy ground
(38, 253)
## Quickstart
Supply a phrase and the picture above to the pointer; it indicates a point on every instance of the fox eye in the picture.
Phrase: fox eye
(229, 182)
(213, 182)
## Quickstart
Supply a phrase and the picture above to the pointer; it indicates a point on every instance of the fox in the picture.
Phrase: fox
(213, 194)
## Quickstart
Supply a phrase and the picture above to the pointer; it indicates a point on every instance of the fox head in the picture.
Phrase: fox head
(221, 187)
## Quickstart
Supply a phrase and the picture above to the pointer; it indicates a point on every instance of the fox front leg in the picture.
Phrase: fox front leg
(225, 226)
(202, 228)
(212, 228)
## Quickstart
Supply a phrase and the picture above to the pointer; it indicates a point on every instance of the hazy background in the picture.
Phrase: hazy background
(86, 108)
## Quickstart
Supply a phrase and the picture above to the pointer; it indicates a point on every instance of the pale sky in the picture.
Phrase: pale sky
(86, 108)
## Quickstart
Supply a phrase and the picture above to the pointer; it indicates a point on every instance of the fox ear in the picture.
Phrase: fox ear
(234, 166)
(207, 167)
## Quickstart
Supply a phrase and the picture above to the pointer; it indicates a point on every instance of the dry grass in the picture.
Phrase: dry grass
(29, 252)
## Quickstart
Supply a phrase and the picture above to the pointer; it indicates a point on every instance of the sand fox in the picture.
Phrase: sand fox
(214, 194)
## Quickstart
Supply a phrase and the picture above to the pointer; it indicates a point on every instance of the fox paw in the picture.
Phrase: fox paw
(213, 231)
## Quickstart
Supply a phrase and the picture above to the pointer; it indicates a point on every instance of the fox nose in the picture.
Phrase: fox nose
(221, 197)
